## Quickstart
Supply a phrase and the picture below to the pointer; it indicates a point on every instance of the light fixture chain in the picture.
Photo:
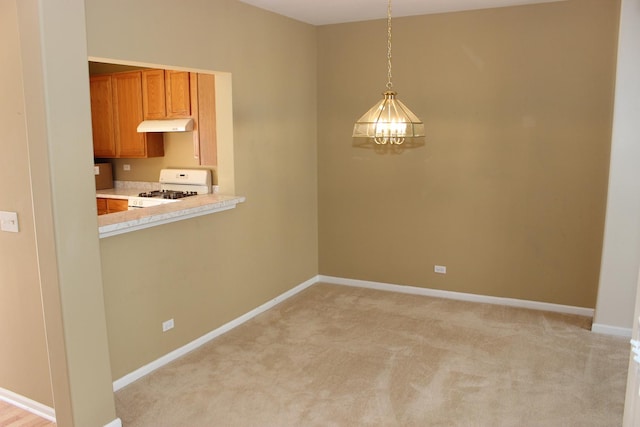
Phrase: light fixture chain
(389, 121)
(389, 84)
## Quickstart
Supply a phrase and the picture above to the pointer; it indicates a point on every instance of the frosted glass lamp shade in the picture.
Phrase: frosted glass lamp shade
(389, 122)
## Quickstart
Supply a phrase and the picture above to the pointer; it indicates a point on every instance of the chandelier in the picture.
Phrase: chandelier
(389, 121)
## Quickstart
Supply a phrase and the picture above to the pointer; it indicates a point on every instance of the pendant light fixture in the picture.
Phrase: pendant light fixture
(389, 121)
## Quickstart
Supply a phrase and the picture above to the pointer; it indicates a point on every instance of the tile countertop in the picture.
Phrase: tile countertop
(138, 219)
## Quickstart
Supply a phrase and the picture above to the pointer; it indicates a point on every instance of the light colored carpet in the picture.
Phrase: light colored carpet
(341, 356)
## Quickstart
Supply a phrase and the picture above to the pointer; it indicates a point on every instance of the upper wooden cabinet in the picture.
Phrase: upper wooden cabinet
(180, 94)
(104, 142)
(120, 101)
(123, 92)
(153, 94)
(127, 96)
(166, 94)
(177, 85)
(205, 142)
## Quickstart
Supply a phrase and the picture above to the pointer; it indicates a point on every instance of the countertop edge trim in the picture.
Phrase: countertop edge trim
(166, 218)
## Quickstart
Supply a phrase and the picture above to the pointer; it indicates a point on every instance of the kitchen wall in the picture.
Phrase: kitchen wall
(178, 153)
(24, 363)
(509, 190)
(206, 271)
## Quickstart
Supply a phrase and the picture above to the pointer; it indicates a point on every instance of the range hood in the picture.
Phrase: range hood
(169, 125)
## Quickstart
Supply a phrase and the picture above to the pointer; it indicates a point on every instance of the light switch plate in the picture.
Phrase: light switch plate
(9, 221)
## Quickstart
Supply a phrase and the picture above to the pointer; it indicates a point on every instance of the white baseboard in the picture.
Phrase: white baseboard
(169, 357)
(611, 330)
(534, 305)
(27, 404)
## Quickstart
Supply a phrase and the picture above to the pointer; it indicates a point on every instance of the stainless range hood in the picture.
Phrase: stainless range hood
(169, 125)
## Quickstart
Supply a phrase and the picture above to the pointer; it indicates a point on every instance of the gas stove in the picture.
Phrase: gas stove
(168, 194)
(175, 184)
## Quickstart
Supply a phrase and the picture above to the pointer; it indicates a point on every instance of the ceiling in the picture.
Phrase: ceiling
(321, 12)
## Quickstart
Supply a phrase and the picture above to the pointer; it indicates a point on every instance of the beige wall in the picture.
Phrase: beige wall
(509, 191)
(206, 271)
(24, 365)
(178, 152)
(51, 269)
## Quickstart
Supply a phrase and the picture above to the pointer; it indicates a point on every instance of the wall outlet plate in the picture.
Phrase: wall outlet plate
(9, 222)
(440, 269)
(167, 325)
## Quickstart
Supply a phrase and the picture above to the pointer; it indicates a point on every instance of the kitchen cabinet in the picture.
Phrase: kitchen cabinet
(102, 205)
(179, 94)
(116, 111)
(177, 85)
(205, 143)
(104, 142)
(127, 99)
(120, 101)
(107, 205)
(166, 94)
(153, 95)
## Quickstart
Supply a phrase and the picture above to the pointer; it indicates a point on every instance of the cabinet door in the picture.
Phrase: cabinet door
(177, 94)
(117, 205)
(153, 94)
(207, 120)
(104, 143)
(127, 90)
(102, 205)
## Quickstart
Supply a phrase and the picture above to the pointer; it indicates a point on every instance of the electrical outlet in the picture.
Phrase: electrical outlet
(9, 221)
(440, 269)
(167, 325)
(126, 167)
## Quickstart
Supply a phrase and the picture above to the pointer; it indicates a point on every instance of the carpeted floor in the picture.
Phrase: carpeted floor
(341, 356)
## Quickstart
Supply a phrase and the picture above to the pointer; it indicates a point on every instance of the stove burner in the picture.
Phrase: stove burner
(168, 194)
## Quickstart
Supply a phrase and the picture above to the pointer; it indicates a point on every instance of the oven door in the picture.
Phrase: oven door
(145, 202)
